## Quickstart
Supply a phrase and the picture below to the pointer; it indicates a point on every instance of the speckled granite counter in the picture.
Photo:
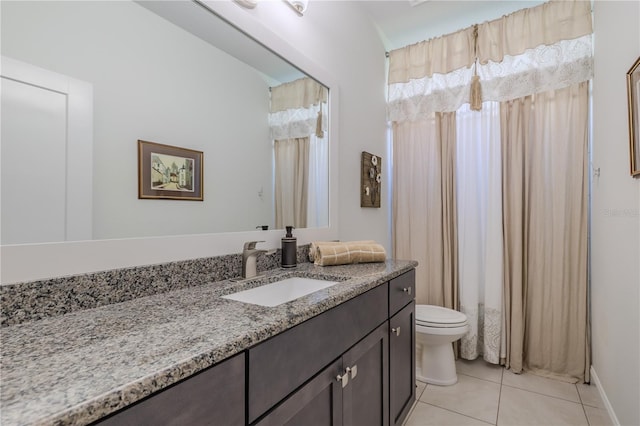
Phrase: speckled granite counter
(79, 367)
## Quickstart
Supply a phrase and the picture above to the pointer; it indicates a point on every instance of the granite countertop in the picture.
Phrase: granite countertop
(79, 367)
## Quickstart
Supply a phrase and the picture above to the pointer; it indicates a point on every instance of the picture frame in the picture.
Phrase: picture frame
(633, 94)
(370, 180)
(169, 172)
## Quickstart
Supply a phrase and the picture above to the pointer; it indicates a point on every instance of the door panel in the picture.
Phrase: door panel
(47, 155)
(402, 374)
(366, 397)
(33, 164)
(318, 403)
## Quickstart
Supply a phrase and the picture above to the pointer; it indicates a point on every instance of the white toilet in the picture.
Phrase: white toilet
(436, 329)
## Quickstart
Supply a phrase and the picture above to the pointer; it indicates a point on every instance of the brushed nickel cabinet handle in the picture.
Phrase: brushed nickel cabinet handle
(354, 371)
(343, 378)
(407, 290)
(396, 331)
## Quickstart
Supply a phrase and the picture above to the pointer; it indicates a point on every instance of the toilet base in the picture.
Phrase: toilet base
(437, 365)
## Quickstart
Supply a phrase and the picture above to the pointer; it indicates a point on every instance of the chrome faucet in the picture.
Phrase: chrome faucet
(250, 258)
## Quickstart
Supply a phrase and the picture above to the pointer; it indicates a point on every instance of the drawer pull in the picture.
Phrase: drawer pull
(407, 290)
(396, 331)
(343, 378)
(354, 371)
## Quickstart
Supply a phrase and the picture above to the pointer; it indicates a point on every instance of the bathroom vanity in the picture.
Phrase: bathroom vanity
(341, 355)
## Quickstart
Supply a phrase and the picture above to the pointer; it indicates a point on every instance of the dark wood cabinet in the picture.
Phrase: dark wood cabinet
(351, 391)
(402, 363)
(353, 365)
(215, 396)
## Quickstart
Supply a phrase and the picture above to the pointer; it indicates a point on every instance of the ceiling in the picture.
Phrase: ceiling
(400, 24)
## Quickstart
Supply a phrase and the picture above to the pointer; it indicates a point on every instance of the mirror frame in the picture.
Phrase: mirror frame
(29, 262)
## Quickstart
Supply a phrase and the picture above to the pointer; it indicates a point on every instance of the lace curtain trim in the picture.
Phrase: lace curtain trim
(484, 336)
(297, 123)
(537, 70)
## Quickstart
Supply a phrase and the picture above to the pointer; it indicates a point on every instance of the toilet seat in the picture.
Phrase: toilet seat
(439, 317)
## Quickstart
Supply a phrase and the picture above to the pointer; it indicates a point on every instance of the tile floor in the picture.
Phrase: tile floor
(488, 395)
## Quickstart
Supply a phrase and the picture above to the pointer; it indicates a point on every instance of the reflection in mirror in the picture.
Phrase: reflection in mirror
(150, 71)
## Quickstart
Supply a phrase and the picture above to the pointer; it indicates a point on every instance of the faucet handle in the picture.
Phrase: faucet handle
(250, 245)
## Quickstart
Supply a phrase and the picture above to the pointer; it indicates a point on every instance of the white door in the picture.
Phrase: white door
(46, 156)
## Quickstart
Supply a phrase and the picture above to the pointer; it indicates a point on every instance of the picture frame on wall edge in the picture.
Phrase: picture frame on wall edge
(633, 95)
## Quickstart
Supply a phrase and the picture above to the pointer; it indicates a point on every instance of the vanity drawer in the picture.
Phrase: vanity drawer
(283, 363)
(213, 395)
(402, 290)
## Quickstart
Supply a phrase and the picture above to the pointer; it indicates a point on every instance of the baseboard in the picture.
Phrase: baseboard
(603, 395)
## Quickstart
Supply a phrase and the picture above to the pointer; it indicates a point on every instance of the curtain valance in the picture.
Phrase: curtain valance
(436, 56)
(298, 109)
(301, 93)
(510, 35)
(531, 51)
(535, 71)
(298, 123)
(528, 28)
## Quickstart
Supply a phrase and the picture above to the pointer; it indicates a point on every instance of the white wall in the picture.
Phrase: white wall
(615, 224)
(132, 58)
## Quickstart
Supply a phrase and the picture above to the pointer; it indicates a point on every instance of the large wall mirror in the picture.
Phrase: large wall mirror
(169, 72)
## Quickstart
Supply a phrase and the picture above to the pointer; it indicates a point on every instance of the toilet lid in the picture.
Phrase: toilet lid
(437, 316)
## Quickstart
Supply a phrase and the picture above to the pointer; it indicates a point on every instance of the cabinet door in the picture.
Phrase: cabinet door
(318, 403)
(366, 396)
(212, 397)
(402, 363)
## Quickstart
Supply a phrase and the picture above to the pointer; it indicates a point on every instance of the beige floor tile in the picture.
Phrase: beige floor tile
(480, 369)
(597, 416)
(427, 415)
(589, 395)
(470, 396)
(522, 408)
(542, 385)
(420, 387)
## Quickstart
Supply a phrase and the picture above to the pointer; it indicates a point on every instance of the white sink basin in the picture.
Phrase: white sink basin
(280, 292)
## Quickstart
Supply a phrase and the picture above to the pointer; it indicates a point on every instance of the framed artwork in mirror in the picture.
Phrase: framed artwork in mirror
(633, 94)
(169, 172)
(370, 180)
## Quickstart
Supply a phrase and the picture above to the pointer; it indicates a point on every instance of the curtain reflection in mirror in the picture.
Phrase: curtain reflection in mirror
(298, 127)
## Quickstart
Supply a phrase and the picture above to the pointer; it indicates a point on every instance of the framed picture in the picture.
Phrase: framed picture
(169, 172)
(370, 180)
(633, 92)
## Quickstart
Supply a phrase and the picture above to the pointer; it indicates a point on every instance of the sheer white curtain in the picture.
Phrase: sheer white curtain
(318, 188)
(480, 247)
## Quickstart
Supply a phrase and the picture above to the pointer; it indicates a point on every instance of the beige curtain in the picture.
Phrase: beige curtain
(299, 93)
(545, 189)
(424, 205)
(527, 28)
(509, 35)
(439, 55)
(291, 176)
